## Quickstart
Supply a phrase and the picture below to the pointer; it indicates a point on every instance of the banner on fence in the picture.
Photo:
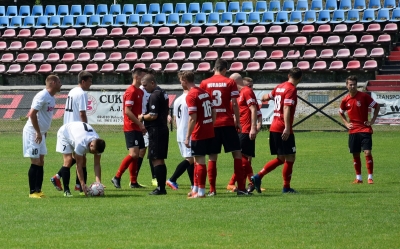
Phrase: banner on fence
(390, 107)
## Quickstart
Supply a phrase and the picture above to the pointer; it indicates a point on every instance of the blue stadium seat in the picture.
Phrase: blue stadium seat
(154, 9)
(141, 9)
(200, 19)
(120, 20)
(213, 19)
(146, 20)
(383, 15)
(310, 17)
(288, 6)
(29, 22)
(368, 16)
(389, 4)
(54, 22)
(220, 7)
(226, 19)
(247, 6)
(94, 21)
(267, 18)
(281, 18)
(345, 5)
(173, 19)
(338, 17)
(63, 10)
(76, 10)
(302, 6)
(316, 5)
(253, 19)
(194, 8)
(359, 5)
(115, 9)
(107, 20)
(133, 20)
(295, 17)
(240, 19)
(234, 7)
(41, 22)
(160, 19)
(16, 22)
(24, 10)
(167, 8)
(50, 10)
(324, 16)
(180, 8)
(67, 21)
(331, 5)
(12, 11)
(395, 15)
(374, 4)
(207, 7)
(274, 6)
(128, 9)
(261, 6)
(353, 16)
(37, 10)
(4, 22)
(81, 21)
(187, 19)
(102, 9)
(2, 10)
(88, 10)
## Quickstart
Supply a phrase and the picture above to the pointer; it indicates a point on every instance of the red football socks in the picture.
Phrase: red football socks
(239, 170)
(201, 172)
(212, 174)
(287, 173)
(357, 165)
(370, 164)
(133, 170)
(124, 165)
(270, 166)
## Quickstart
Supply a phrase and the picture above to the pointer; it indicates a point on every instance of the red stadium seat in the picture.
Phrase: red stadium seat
(171, 43)
(116, 56)
(132, 31)
(147, 56)
(156, 66)
(162, 56)
(3, 45)
(83, 57)
(69, 33)
(29, 68)
(101, 32)
(285, 66)
(139, 43)
(53, 57)
(236, 66)
(39, 33)
(275, 29)
(22, 57)
(226, 30)
(55, 33)
(163, 31)
(367, 39)
(187, 43)
(243, 55)
(30, 45)
(24, 33)
(316, 40)
(276, 55)
(123, 44)
(360, 53)
(343, 53)
(333, 40)
(9, 33)
(283, 41)
(243, 30)
(324, 28)
(326, 54)
(179, 31)
(7, 57)
(45, 68)
(370, 65)
(155, 43)
(99, 56)
(210, 31)
(194, 56)
(15, 45)
(107, 44)
(307, 29)
(267, 42)
(292, 29)
(76, 45)
(259, 30)
(253, 66)
(269, 66)
(2, 68)
(139, 65)
(219, 42)
(340, 28)
(251, 42)
(187, 66)
(390, 27)
(374, 27)
(123, 67)
(304, 65)
(171, 67)
(228, 55)
(377, 52)
(260, 55)
(300, 41)
(350, 39)
(61, 45)
(68, 57)
(92, 68)
(203, 67)
(384, 39)
(131, 56)
(85, 32)
(357, 27)
(107, 68)
(195, 31)
(353, 65)
(147, 31)
(203, 43)
(116, 32)
(336, 65)
(310, 54)
(319, 65)
(178, 56)
(60, 68)
(75, 68)
(14, 68)
(211, 56)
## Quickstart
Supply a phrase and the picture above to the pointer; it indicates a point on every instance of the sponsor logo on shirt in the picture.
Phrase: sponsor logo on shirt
(211, 85)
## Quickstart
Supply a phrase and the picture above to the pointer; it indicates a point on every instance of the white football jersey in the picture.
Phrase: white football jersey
(146, 97)
(77, 101)
(44, 103)
(79, 135)
(181, 114)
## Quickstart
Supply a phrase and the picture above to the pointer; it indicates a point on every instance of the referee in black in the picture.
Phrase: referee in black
(155, 121)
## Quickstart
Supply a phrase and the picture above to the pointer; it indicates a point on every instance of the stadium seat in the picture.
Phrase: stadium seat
(187, 19)
(228, 55)
(247, 6)
(4, 22)
(2, 68)
(14, 68)
(353, 65)
(16, 22)
(155, 43)
(267, 42)
(86, 32)
(283, 41)
(340, 28)
(128, 9)
(281, 18)
(156, 66)
(93, 44)
(336, 65)
(368, 16)
(213, 19)
(233, 7)
(76, 45)
(269, 66)
(163, 31)
(293, 55)
(179, 31)
(45, 68)
(220, 7)
(107, 68)
(9, 33)
(147, 56)
(377, 52)
(345, 5)
(29, 68)
(243, 55)
(132, 31)
(53, 57)
(226, 19)
(154, 9)
(357, 27)
(54, 22)
(115, 9)
(203, 43)
(171, 43)
(235, 42)
(195, 31)
(274, 6)
(68, 57)
(226, 30)
(316, 5)
(75, 68)
(99, 56)
(37, 10)
(173, 19)
(163, 56)
(288, 6)
(324, 16)
(316, 40)
(187, 66)
(211, 56)
(102, 10)
(63, 10)
(326, 54)
(60, 68)
(7, 57)
(92, 68)
(94, 21)
(37, 57)
(133, 20)
(139, 65)
(160, 19)
(307, 29)
(324, 28)
(107, 20)
(310, 17)
(207, 7)
(15, 45)
(236, 66)
(374, 4)
(123, 67)
(258, 30)
(146, 20)
(29, 22)
(383, 39)
(360, 53)
(120, 20)
(333, 40)
(200, 19)
(389, 4)
(253, 18)
(123, 44)
(30, 45)
(210, 31)
(203, 67)
(383, 15)
(171, 67)
(310, 54)
(300, 41)
(240, 19)
(12, 11)
(370, 65)
(70, 33)
(304, 65)
(54, 33)
(147, 31)
(366, 39)
(331, 5)
(260, 55)
(22, 57)
(319, 65)
(353, 16)
(251, 42)
(194, 56)
(81, 21)
(275, 29)
(276, 55)
(302, 6)
(343, 53)
(338, 17)
(76, 10)
(88, 10)
(350, 39)
(187, 43)
(285, 66)
(253, 66)
(107, 44)
(390, 27)
(117, 56)
(84, 57)
(295, 18)
(178, 56)
(101, 32)
(139, 43)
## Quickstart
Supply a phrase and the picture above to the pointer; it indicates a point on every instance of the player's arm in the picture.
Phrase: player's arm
(97, 167)
(153, 113)
(82, 115)
(344, 119)
(253, 129)
(131, 116)
(191, 124)
(374, 116)
(259, 120)
(266, 97)
(235, 107)
(80, 160)
(286, 118)
(35, 124)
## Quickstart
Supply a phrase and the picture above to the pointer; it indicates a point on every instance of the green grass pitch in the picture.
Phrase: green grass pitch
(328, 212)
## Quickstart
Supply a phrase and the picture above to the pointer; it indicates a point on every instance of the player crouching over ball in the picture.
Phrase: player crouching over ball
(79, 138)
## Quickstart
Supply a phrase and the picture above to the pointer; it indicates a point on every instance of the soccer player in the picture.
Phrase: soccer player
(223, 90)
(133, 129)
(79, 138)
(200, 132)
(356, 104)
(75, 110)
(35, 131)
(250, 121)
(155, 121)
(281, 137)
(181, 115)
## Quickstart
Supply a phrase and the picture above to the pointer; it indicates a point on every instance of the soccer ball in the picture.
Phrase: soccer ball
(96, 189)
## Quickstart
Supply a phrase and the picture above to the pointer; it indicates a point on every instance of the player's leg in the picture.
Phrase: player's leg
(77, 182)
(135, 155)
(32, 150)
(200, 148)
(355, 149)
(181, 167)
(158, 151)
(128, 159)
(215, 149)
(66, 149)
(366, 145)
(288, 149)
